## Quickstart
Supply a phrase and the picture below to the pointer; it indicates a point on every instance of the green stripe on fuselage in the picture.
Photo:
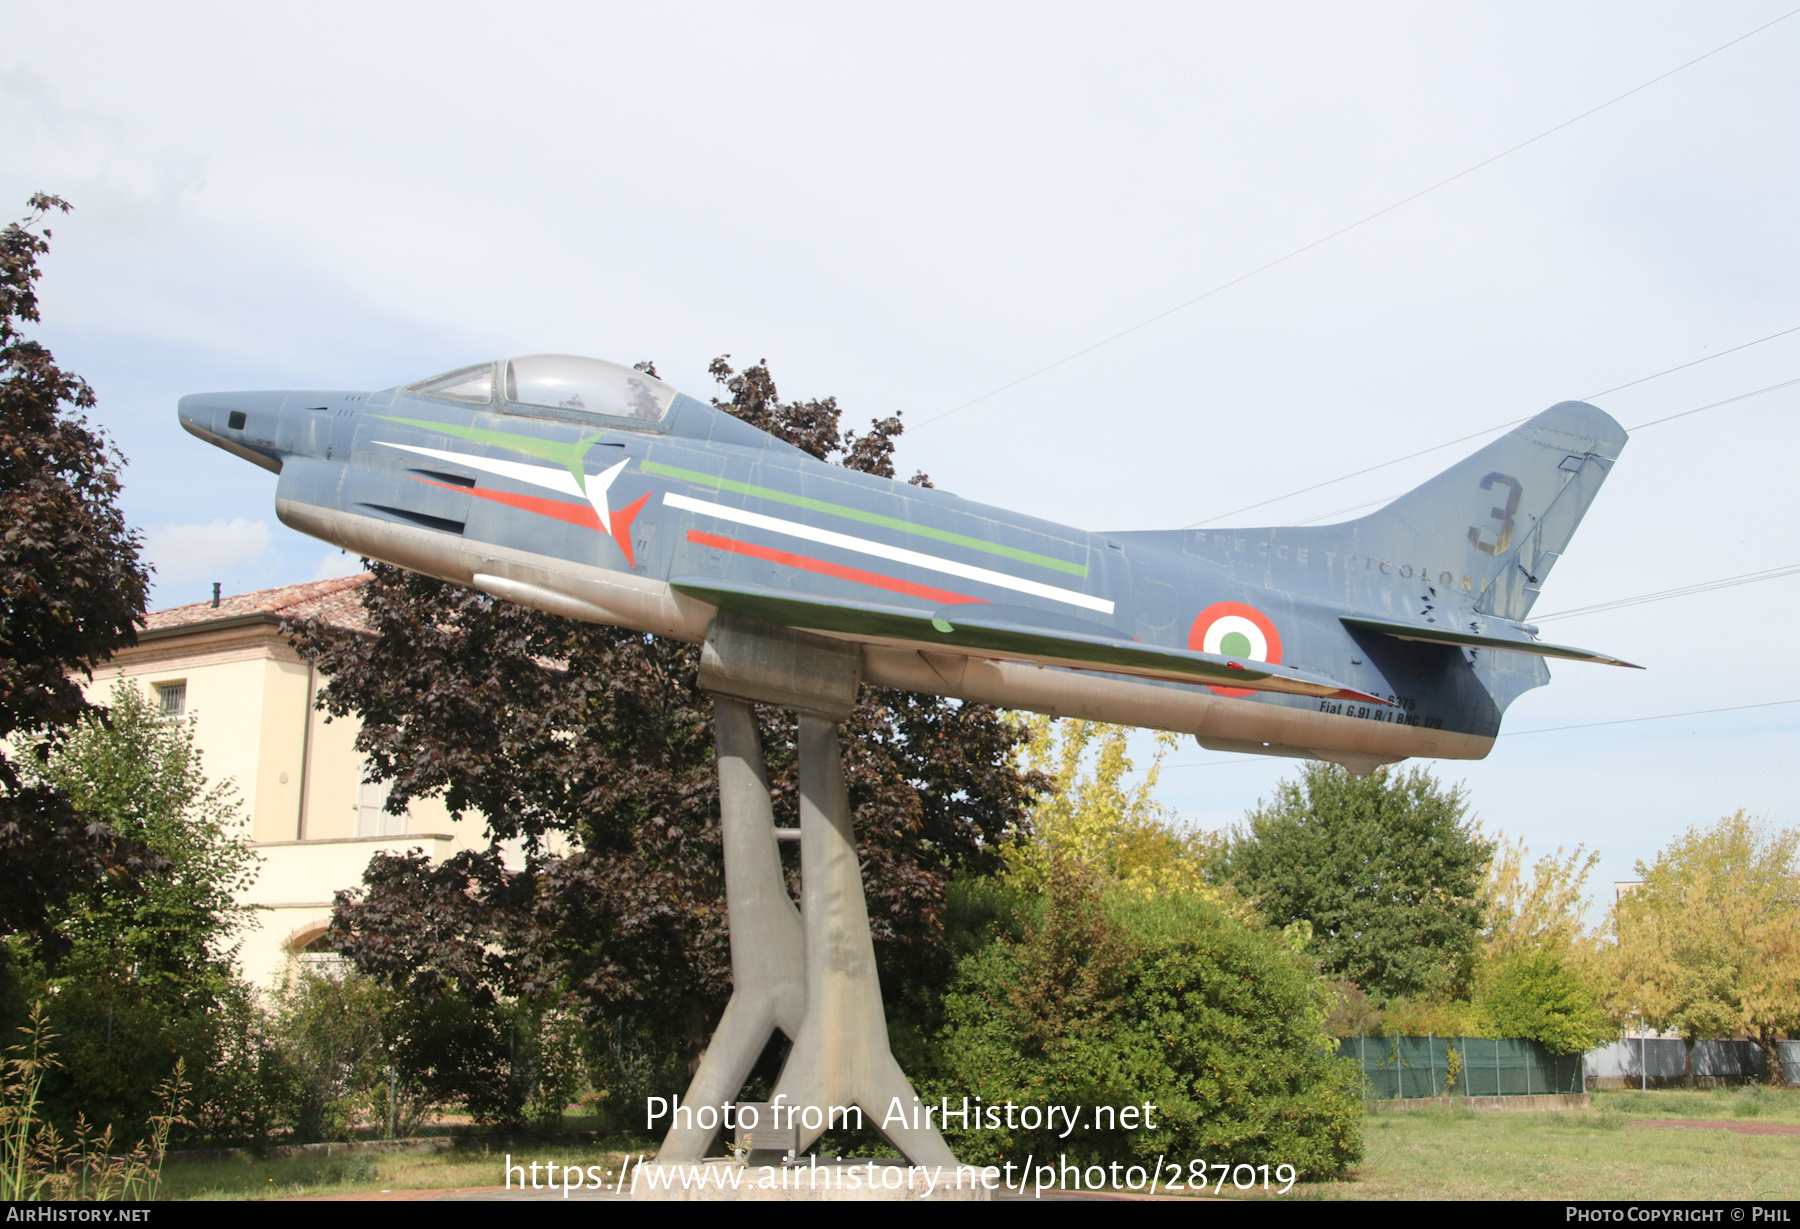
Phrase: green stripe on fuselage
(567, 455)
(867, 518)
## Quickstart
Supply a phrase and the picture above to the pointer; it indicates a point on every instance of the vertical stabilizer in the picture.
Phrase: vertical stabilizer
(1507, 512)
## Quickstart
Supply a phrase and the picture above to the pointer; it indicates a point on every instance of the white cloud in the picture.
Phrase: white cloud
(197, 552)
(337, 563)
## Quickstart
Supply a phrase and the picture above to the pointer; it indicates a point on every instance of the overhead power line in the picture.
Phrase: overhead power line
(1556, 729)
(1501, 427)
(1619, 388)
(1748, 578)
(1698, 712)
(1656, 422)
(1367, 503)
(1344, 230)
(1357, 474)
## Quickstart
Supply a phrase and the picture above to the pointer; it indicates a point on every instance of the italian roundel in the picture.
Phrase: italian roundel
(1232, 629)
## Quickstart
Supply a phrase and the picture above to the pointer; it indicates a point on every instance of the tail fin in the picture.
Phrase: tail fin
(1506, 514)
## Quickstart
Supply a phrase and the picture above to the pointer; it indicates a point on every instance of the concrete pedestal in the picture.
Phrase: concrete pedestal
(811, 972)
(841, 1057)
(768, 943)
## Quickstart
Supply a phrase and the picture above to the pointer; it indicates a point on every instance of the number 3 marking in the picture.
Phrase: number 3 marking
(1503, 539)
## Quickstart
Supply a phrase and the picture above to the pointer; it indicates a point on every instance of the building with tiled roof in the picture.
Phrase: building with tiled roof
(313, 820)
(334, 600)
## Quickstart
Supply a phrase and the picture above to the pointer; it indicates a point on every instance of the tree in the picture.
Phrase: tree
(1537, 975)
(1539, 910)
(140, 774)
(71, 591)
(1122, 838)
(1386, 869)
(148, 973)
(544, 725)
(1709, 945)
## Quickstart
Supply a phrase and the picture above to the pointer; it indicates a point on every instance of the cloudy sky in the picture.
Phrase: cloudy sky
(914, 207)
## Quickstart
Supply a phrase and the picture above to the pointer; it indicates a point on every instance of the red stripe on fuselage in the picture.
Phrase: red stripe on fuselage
(575, 513)
(557, 509)
(621, 527)
(855, 575)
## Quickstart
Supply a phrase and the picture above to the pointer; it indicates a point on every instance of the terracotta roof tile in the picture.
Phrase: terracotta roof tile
(334, 600)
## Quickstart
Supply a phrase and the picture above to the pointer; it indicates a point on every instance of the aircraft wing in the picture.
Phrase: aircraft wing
(1000, 633)
(1428, 633)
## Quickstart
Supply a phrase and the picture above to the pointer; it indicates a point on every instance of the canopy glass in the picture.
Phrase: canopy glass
(568, 383)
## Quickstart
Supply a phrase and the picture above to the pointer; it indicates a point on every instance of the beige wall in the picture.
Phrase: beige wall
(247, 695)
(295, 888)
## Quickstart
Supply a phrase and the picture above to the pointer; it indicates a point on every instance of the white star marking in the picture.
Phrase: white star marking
(597, 487)
(549, 477)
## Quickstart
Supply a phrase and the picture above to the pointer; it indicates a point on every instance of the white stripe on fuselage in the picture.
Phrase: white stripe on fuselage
(551, 478)
(548, 477)
(880, 550)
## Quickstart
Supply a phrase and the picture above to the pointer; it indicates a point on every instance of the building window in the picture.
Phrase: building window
(372, 818)
(317, 957)
(171, 699)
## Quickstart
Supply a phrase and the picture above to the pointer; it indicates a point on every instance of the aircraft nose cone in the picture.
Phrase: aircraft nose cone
(243, 424)
(202, 413)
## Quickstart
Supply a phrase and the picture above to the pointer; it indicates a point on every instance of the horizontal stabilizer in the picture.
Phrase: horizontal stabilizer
(1427, 633)
(973, 634)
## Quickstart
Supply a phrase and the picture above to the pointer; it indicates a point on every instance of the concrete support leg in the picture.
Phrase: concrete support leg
(768, 944)
(814, 979)
(841, 1056)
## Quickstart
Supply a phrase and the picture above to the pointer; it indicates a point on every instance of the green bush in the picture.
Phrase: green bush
(1536, 995)
(630, 1059)
(357, 1057)
(1430, 1018)
(1170, 1001)
(330, 1036)
(39, 1162)
(119, 1040)
(241, 1096)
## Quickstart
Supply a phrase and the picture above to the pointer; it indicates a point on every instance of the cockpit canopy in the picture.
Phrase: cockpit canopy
(564, 385)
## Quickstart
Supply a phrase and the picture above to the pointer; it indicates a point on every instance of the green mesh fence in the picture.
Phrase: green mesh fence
(1395, 1067)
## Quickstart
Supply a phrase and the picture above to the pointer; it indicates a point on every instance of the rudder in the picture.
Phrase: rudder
(1512, 506)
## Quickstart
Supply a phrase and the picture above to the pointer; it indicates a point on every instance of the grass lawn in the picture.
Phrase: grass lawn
(1438, 1153)
(248, 1178)
(1738, 1104)
(1579, 1154)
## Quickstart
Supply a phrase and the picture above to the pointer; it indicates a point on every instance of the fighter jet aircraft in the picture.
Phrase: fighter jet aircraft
(592, 490)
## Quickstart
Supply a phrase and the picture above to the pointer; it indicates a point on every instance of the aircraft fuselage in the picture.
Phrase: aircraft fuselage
(666, 510)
